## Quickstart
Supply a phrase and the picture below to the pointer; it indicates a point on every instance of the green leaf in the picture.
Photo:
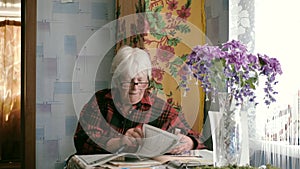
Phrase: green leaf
(161, 92)
(183, 57)
(252, 81)
(172, 33)
(156, 24)
(188, 3)
(177, 61)
(178, 108)
(173, 71)
(151, 19)
(157, 35)
(147, 8)
(158, 8)
(173, 41)
(183, 28)
(158, 86)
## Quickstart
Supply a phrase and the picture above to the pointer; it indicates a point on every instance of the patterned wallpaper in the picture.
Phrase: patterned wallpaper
(63, 29)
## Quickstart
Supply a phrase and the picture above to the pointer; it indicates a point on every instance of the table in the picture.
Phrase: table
(204, 157)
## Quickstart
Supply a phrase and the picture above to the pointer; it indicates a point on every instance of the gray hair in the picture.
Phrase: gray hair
(129, 61)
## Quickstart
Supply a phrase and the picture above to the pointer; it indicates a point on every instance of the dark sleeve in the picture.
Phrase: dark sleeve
(91, 133)
(85, 145)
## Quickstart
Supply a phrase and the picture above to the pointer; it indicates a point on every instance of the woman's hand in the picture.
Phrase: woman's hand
(133, 137)
(186, 143)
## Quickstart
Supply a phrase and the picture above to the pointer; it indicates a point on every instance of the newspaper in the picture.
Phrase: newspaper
(192, 157)
(155, 142)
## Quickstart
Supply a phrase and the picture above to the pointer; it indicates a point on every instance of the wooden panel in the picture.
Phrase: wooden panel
(28, 103)
(14, 165)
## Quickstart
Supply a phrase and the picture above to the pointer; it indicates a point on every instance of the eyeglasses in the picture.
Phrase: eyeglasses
(140, 85)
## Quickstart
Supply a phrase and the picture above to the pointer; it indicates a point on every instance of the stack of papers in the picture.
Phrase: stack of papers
(195, 157)
(155, 143)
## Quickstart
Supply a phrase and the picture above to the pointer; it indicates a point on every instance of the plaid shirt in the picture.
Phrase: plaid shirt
(100, 120)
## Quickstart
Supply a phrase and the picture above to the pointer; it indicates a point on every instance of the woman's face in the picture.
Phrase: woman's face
(132, 90)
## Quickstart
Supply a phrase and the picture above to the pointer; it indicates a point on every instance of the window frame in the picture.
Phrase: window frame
(28, 83)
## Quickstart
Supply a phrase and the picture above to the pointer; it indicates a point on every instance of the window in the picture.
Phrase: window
(276, 34)
(271, 27)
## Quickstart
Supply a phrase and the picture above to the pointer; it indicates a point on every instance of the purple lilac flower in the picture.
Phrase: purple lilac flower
(239, 70)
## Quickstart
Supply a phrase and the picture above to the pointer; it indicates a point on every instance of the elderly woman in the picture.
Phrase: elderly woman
(114, 117)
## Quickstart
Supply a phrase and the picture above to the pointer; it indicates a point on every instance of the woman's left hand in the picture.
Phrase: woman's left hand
(186, 144)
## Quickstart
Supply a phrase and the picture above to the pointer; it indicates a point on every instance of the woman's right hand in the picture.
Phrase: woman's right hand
(133, 137)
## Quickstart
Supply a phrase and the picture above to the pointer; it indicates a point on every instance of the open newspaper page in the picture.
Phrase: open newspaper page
(156, 142)
(192, 157)
(97, 159)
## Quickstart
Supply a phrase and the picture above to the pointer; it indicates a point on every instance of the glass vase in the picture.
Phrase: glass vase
(228, 134)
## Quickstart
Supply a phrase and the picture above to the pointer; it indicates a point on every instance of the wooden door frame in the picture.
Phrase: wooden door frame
(28, 81)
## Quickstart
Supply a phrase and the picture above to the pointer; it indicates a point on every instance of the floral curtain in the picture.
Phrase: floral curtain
(241, 27)
(10, 83)
(168, 30)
